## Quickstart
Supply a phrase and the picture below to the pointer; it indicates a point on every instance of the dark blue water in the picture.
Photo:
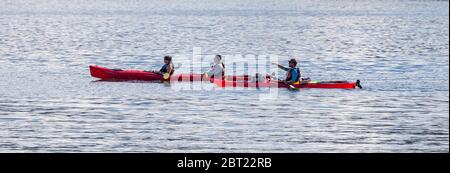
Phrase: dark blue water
(398, 49)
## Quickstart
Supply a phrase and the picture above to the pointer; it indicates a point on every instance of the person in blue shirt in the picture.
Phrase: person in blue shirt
(293, 75)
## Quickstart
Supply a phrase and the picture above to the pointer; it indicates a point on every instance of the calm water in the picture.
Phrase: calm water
(49, 102)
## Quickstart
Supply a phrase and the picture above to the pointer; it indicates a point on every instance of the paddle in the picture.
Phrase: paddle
(291, 86)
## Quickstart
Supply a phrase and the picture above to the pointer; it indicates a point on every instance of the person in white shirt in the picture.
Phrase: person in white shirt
(217, 70)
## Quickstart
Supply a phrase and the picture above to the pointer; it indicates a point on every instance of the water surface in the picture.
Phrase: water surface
(49, 102)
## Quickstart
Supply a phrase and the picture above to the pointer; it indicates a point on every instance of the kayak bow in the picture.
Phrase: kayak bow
(119, 74)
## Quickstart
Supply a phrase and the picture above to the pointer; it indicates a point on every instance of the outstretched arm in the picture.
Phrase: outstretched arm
(281, 67)
(153, 71)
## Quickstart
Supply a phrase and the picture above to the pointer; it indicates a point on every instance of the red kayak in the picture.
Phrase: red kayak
(119, 74)
(268, 84)
(231, 81)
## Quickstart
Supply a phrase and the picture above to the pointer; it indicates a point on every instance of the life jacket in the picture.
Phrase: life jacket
(165, 69)
(289, 77)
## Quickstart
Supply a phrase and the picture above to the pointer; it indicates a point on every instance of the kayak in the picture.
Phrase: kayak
(104, 73)
(272, 84)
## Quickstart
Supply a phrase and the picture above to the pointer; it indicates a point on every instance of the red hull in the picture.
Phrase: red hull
(112, 74)
(246, 84)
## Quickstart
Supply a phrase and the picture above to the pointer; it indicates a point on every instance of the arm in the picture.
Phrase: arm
(290, 81)
(170, 68)
(216, 70)
(209, 73)
(281, 67)
(153, 71)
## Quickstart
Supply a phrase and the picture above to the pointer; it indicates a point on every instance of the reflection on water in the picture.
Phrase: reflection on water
(49, 103)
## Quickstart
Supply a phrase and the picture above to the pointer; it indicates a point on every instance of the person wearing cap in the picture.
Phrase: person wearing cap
(293, 73)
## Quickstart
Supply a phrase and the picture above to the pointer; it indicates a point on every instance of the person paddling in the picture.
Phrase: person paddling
(293, 75)
(217, 70)
(167, 69)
